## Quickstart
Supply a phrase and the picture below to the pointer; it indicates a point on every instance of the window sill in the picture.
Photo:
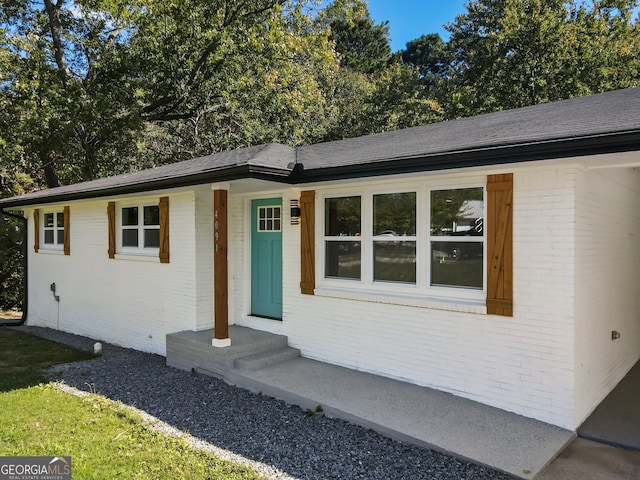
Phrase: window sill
(139, 257)
(411, 300)
(51, 251)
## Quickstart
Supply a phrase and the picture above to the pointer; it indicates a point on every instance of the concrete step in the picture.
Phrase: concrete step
(264, 359)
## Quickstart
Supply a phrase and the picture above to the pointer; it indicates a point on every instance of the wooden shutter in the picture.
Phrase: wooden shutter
(163, 206)
(67, 235)
(36, 230)
(111, 214)
(500, 244)
(307, 242)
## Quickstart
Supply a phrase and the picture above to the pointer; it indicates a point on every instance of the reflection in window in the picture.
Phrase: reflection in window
(394, 230)
(394, 214)
(394, 261)
(343, 260)
(457, 213)
(342, 217)
(342, 237)
(457, 264)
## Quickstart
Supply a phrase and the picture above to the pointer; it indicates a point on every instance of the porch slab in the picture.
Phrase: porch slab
(616, 421)
(193, 350)
(514, 444)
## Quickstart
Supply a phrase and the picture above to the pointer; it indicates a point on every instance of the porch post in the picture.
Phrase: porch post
(220, 268)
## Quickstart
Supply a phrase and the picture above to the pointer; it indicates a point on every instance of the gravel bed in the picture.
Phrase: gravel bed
(279, 440)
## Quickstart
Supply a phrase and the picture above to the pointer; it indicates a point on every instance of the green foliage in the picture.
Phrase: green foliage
(431, 55)
(362, 45)
(513, 53)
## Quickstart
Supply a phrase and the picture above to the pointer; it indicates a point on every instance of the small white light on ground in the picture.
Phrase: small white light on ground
(97, 348)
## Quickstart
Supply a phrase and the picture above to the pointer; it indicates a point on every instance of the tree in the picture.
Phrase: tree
(512, 53)
(362, 45)
(431, 55)
(85, 75)
(65, 89)
(283, 97)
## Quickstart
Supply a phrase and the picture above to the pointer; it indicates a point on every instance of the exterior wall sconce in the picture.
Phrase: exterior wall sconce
(295, 212)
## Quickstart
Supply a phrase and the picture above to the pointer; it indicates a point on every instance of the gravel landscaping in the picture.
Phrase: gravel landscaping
(279, 440)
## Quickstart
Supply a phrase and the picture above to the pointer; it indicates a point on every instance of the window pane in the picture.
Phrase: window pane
(343, 260)
(456, 264)
(276, 212)
(394, 214)
(60, 235)
(342, 216)
(60, 219)
(395, 261)
(48, 220)
(457, 212)
(152, 215)
(130, 216)
(151, 238)
(48, 237)
(129, 237)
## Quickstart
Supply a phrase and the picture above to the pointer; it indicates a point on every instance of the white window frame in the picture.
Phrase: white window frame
(272, 219)
(55, 246)
(397, 292)
(140, 250)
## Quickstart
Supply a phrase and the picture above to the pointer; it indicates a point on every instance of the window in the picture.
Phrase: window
(394, 237)
(53, 229)
(406, 241)
(269, 219)
(342, 237)
(140, 227)
(457, 219)
(141, 230)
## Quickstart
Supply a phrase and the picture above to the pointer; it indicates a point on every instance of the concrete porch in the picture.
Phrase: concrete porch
(250, 349)
(262, 362)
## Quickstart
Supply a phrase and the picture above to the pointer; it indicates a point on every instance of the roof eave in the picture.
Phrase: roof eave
(480, 157)
(210, 176)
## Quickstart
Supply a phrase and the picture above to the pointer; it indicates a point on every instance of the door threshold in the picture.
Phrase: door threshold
(279, 319)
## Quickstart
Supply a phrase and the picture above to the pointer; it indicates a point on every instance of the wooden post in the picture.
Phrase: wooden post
(220, 267)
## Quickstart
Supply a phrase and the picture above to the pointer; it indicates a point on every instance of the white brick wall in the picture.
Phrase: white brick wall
(122, 301)
(607, 281)
(576, 268)
(522, 364)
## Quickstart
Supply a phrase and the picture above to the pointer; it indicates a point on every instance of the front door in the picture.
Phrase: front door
(266, 258)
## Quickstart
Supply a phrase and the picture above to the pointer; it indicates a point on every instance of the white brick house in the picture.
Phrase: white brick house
(519, 313)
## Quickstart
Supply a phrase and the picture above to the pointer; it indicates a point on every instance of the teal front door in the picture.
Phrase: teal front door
(266, 258)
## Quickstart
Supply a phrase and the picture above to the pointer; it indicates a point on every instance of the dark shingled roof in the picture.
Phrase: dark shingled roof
(538, 131)
(269, 161)
(603, 123)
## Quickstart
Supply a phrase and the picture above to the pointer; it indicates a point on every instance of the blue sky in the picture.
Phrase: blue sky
(408, 19)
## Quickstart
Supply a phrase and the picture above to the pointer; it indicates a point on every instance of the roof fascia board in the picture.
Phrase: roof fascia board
(498, 155)
(246, 171)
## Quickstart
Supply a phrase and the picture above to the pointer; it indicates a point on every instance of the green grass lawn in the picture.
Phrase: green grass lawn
(23, 356)
(105, 439)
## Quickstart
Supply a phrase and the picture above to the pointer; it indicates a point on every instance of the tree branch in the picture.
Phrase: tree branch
(56, 35)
